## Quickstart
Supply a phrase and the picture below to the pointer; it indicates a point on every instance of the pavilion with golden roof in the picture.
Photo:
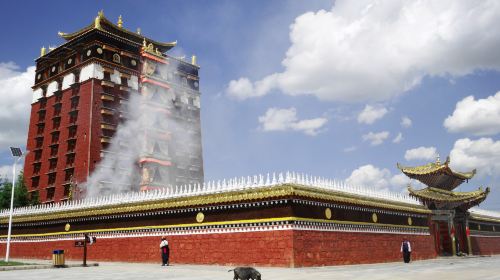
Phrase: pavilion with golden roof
(449, 219)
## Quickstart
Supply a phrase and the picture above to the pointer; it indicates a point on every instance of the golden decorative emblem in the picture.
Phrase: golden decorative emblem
(374, 217)
(67, 227)
(200, 217)
(410, 222)
(328, 213)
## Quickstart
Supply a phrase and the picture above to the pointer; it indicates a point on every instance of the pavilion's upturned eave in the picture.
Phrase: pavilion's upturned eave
(437, 174)
(432, 168)
(453, 199)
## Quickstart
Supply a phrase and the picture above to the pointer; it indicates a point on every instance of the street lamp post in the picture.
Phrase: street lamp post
(18, 154)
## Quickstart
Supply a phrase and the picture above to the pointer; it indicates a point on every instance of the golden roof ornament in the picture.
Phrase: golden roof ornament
(144, 43)
(120, 21)
(139, 31)
(43, 51)
(438, 160)
(193, 59)
(97, 22)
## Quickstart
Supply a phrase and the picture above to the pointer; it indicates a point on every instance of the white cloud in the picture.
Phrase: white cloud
(478, 117)
(378, 178)
(406, 122)
(376, 138)
(15, 104)
(424, 153)
(6, 171)
(276, 119)
(243, 88)
(398, 138)
(370, 114)
(374, 50)
(482, 154)
(350, 149)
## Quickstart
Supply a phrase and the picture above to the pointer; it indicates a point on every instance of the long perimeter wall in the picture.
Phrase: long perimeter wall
(279, 224)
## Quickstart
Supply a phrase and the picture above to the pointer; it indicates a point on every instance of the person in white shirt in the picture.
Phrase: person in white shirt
(406, 250)
(165, 251)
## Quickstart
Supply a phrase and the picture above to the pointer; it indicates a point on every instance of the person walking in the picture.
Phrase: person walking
(406, 250)
(165, 251)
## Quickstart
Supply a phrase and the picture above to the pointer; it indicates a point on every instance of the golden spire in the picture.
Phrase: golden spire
(120, 21)
(144, 43)
(193, 59)
(438, 160)
(43, 51)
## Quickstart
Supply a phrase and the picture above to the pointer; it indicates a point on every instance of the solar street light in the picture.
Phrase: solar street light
(18, 154)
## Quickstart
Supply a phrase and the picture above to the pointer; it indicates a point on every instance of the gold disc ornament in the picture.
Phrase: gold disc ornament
(328, 213)
(374, 217)
(67, 227)
(200, 217)
(410, 222)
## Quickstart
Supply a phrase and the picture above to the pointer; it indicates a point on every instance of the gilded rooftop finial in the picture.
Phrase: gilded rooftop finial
(144, 43)
(438, 159)
(120, 21)
(43, 51)
(193, 59)
(139, 30)
(97, 23)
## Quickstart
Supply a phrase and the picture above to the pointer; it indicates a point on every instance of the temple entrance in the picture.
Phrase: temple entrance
(443, 239)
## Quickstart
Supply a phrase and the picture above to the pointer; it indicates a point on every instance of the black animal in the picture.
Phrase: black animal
(246, 273)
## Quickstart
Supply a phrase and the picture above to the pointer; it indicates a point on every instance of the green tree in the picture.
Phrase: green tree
(21, 196)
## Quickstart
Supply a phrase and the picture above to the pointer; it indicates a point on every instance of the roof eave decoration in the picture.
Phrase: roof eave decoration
(456, 199)
(276, 191)
(434, 167)
(103, 24)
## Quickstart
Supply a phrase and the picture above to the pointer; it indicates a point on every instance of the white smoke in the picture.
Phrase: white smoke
(154, 112)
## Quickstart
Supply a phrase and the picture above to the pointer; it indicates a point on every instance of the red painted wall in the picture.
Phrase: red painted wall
(285, 248)
(89, 91)
(317, 248)
(485, 245)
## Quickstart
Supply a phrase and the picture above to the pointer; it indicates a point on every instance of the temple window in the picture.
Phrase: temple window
(124, 81)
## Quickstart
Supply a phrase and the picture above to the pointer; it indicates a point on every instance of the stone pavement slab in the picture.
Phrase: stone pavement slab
(487, 268)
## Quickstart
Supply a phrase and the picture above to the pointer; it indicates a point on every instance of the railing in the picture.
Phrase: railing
(213, 187)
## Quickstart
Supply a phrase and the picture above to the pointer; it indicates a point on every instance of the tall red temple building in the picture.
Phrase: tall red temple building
(81, 92)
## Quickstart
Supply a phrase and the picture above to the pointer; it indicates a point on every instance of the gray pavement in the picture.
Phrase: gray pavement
(443, 268)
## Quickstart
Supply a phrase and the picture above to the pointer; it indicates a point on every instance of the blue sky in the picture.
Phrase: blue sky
(307, 86)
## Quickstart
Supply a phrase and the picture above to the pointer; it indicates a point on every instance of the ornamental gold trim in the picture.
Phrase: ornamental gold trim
(236, 222)
(200, 217)
(328, 213)
(285, 190)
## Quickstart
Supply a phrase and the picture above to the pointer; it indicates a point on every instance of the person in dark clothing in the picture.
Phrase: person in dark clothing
(406, 250)
(165, 251)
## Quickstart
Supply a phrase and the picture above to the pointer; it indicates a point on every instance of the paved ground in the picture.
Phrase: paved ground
(484, 268)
